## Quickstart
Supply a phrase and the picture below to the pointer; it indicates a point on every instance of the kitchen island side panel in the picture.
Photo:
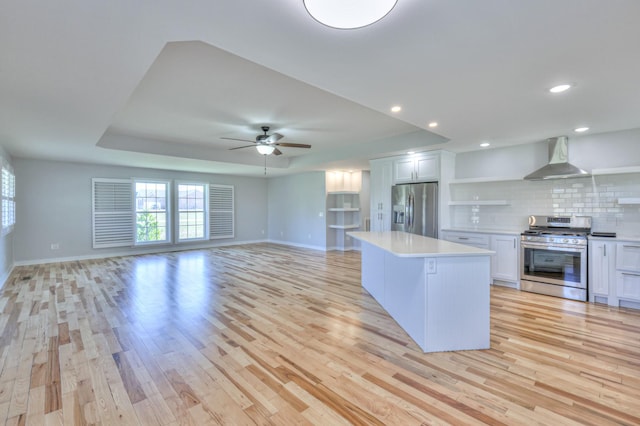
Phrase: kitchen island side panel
(458, 304)
(373, 271)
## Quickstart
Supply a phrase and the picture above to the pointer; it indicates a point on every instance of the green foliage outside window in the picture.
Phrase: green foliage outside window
(147, 227)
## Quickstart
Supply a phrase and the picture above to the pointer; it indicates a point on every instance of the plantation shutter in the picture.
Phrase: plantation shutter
(221, 202)
(112, 212)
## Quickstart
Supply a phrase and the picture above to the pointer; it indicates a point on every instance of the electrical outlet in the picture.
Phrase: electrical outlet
(321, 214)
(431, 266)
(55, 246)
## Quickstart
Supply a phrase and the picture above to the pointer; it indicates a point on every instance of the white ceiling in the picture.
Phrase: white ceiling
(158, 83)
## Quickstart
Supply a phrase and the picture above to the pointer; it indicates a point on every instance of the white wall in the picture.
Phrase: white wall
(53, 205)
(295, 205)
(604, 150)
(6, 241)
(593, 196)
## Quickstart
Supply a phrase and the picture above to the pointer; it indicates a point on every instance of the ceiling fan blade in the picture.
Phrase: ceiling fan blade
(294, 145)
(276, 151)
(275, 137)
(236, 139)
(240, 147)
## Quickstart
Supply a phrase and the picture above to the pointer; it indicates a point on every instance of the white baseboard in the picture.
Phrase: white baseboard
(148, 250)
(289, 243)
(4, 277)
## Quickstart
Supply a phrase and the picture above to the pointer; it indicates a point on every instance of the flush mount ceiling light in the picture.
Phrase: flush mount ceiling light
(348, 14)
(396, 108)
(485, 144)
(265, 149)
(560, 88)
(580, 129)
(433, 124)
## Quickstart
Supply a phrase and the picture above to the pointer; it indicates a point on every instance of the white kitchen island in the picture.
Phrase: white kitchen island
(436, 290)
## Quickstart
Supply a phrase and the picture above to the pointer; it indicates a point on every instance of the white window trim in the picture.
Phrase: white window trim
(206, 213)
(10, 198)
(169, 225)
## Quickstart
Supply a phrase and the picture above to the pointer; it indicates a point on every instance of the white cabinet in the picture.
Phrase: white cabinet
(602, 265)
(504, 264)
(505, 261)
(417, 168)
(474, 239)
(343, 213)
(381, 182)
(628, 271)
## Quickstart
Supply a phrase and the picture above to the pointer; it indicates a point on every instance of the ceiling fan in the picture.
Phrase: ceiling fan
(267, 144)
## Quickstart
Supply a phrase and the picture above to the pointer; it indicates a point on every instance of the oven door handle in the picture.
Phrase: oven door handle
(553, 247)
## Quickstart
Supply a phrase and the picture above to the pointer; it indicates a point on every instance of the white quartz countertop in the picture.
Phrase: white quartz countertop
(403, 244)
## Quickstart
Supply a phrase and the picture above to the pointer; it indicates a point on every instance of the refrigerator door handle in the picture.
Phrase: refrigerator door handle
(410, 212)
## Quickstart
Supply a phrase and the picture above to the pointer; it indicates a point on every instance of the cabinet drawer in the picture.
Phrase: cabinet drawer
(628, 285)
(628, 257)
(470, 239)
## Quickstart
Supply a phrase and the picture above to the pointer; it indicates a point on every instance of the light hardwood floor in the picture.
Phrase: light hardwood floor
(267, 334)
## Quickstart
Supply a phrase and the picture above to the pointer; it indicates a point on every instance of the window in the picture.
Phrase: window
(221, 199)
(112, 207)
(192, 211)
(8, 199)
(152, 216)
(128, 212)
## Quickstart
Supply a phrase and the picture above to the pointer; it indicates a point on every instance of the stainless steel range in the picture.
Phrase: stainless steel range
(553, 256)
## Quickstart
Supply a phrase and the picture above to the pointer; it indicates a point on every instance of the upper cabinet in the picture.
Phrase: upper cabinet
(338, 181)
(417, 168)
(381, 182)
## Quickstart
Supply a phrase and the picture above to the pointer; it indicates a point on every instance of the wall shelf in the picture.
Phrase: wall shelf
(479, 203)
(615, 171)
(344, 207)
(484, 180)
(352, 226)
(343, 193)
(628, 200)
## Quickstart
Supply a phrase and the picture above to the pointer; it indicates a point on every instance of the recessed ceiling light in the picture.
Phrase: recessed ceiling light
(580, 129)
(485, 144)
(348, 15)
(433, 124)
(396, 108)
(560, 88)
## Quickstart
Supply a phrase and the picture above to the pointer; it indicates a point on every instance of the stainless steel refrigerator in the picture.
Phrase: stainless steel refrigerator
(415, 208)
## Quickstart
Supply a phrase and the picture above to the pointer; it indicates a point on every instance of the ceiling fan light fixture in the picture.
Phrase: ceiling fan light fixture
(348, 14)
(265, 149)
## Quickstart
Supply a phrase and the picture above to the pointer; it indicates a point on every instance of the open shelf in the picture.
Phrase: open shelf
(479, 203)
(628, 200)
(344, 209)
(485, 179)
(343, 193)
(354, 226)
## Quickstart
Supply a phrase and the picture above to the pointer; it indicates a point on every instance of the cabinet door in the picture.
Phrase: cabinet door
(404, 170)
(628, 285)
(427, 168)
(381, 182)
(600, 267)
(505, 260)
(467, 238)
(628, 257)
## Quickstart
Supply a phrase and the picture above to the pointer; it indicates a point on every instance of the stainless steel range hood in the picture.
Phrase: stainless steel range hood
(558, 167)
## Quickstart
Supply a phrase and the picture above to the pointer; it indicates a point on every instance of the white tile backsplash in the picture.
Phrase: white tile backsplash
(596, 196)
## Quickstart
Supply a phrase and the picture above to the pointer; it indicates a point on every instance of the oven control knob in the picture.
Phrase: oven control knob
(566, 240)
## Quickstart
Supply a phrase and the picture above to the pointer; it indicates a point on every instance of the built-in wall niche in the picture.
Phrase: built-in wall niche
(344, 181)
